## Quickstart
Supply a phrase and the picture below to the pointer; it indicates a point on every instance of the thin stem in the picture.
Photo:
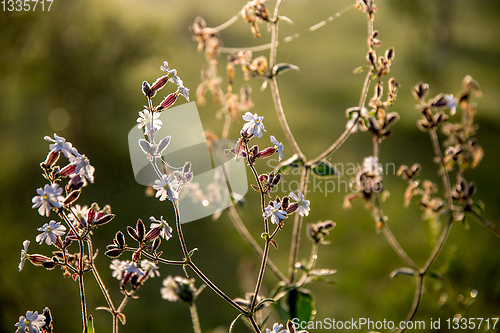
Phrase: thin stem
(261, 274)
(416, 301)
(97, 277)
(343, 137)
(485, 223)
(179, 231)
(163, 261)
(254, 324)
(438, 247)
(242, 229)
(274, 85)
(227, 125)
(228, 23)
(397, 247)
(81, 284)
(444, 173)
(297, 226)
(214, 288)
(194, 317)
(257, 48)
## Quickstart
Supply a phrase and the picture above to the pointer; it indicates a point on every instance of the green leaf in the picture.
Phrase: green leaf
(402, 271)
(478, 207)
(278, 68)
(301, 304)
(294, 163)
(360, 69)
(325, 169)
(322, 272)
(90, 325)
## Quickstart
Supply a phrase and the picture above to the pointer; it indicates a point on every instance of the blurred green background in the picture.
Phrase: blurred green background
(77, 71)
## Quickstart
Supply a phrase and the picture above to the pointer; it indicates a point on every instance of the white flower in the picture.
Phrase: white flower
(166, 187)
(81, 215)
(50, 231)
(118, 266)
(371, 166)
(24, 251)
(131, 268)
(49, 196)
(150, 268)
(168, 291)
(166, 230)
(303, 205)
(149, 121)
(276, 329)
(183, 91)
(254, 124)
(274, 212)
(83, 167)
(32, 322)
(451, 103)
(61, 145)
(165, 68)
(278, 145)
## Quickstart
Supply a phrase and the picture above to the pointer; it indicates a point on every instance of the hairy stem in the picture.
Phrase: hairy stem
(242, 229)
(485, 223)
(397, 247)
(214, 288)
(416, 301)
(297, 226)
(194, 317)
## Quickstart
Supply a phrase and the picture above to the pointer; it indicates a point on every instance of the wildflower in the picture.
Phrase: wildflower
(33, 322)
(83, 167)
(254, 124)
(184, 92)
(149, 121)
(166, 230)
(276, 329)
(274, 212)
(165, 68)
(150, 268)
(118, 266)
(303, 205)
(371, 166)
(50, 232)
(279, 145)
(451, 103)
(61, 145)
(24, 251)
(166, 187)
(175, 288)
(49, 196)
(79, 216)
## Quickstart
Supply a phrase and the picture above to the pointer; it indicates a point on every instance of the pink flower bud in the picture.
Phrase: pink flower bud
(152, 234)
(52, 158)
(38, 259)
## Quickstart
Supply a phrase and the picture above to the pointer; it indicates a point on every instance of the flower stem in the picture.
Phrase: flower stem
(485, 223)
(194, 317)
(297, 226)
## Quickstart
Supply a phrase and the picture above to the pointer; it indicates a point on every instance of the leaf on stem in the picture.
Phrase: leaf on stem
(278, 68)
(325, 169)
(402, 271)
(90, 325)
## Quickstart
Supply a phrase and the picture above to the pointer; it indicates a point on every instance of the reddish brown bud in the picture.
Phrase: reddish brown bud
(158, 84)
(38, 259)
(167, 102)
(292, 208)
(67, 170)
(267, 152)
(104, 219)
(71, 197)
(52, 158)
(152, 234)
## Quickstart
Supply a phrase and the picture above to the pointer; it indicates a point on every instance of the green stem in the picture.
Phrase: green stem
(194, 317)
